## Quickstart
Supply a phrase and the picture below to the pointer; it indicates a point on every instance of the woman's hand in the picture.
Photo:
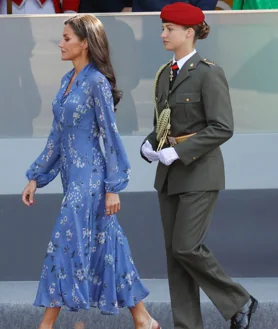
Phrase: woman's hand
(112, 203)
(29, 192)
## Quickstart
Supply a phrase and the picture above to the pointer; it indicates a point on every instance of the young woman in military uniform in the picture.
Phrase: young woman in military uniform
(193, 117)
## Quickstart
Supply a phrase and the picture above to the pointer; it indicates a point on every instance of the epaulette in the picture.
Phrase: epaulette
(208, 62)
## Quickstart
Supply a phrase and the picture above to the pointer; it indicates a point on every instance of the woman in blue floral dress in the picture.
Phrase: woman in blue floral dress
(88, 261)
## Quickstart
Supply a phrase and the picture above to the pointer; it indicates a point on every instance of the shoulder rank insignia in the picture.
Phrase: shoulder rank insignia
(209, 62)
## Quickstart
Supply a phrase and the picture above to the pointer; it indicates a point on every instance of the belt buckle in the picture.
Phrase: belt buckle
(172, 140)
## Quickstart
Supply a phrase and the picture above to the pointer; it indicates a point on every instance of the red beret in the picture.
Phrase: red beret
(182, 13)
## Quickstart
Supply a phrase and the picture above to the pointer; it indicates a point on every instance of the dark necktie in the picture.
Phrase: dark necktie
(173, 74)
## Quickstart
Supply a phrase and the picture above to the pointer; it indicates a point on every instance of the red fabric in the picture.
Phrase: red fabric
(182, 13)
(175, 67)
(18, 2)
(57, 6)
(70, 5)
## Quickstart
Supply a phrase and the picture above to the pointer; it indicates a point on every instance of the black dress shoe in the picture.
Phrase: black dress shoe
(241, 320)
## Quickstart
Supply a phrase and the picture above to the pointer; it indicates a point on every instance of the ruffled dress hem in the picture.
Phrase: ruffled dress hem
(95, 305)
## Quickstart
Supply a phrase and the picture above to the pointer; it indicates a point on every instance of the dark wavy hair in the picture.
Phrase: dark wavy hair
(90, 28)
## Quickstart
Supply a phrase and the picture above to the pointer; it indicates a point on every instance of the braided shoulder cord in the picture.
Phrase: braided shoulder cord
(163, 120)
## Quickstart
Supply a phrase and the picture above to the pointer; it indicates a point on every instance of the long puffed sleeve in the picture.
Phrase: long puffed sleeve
(47, 165)
(117, 164)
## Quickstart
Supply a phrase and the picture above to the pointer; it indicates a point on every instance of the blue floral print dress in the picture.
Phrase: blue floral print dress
(88, 260)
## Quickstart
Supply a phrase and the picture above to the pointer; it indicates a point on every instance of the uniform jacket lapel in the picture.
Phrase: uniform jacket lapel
(166, 79)
(185, 71)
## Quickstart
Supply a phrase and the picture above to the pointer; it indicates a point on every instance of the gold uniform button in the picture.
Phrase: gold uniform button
(194, 158)
(187, 99)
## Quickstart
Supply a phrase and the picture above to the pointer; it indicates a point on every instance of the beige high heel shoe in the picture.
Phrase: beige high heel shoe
(151, 325)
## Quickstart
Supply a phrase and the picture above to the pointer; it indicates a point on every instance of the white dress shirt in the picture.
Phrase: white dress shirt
(183, 60)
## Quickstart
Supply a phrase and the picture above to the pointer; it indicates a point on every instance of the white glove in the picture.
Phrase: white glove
(148, 152)
(167, 156)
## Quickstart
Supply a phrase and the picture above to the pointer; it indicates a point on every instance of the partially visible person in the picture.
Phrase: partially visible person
(157, 5)
(254, 4)
(105, 6)
(21, 7)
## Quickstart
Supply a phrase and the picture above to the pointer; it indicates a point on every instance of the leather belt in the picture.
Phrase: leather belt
(176, 140)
